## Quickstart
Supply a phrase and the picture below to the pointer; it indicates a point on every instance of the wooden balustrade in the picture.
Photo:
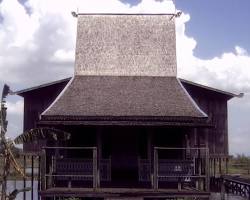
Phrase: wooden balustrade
(191, 169)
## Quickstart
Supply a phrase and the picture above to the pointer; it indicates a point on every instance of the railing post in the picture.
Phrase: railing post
(222, 189)
(227, 160)
(43, 169)
(39, 173)
(207, 171)
(32, 177)
(24, 178)
(95, 169)
(155, 168)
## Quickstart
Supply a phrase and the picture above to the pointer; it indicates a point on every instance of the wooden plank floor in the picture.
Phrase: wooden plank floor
(122, 192)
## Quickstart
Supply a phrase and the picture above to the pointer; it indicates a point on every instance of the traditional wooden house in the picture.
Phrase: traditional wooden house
(136, 130)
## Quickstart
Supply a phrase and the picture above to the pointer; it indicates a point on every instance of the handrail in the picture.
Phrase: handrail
(87, 148)
(180, 148)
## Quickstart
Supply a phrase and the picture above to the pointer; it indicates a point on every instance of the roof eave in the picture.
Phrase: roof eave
(228, 94)
(22, 92)
(126, 120)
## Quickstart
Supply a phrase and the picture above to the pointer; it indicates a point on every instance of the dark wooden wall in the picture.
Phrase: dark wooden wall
(214, 104)
(35, 102)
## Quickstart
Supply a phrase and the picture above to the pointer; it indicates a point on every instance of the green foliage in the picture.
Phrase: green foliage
(240, 165)
(241, 158)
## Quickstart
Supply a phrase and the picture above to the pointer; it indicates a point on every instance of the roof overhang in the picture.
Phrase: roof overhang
(126, 121)
(124, 98)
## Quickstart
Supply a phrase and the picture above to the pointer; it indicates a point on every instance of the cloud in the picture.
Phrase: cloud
(229, 71)
(15, 108)
(14, 116)
(37, 42)
(115, 6)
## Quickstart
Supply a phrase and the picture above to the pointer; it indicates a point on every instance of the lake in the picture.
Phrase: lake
(11, 185)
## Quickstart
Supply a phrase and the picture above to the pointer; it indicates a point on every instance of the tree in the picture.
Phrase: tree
(6, 148)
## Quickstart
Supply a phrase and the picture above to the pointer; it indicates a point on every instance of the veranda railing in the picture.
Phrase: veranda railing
(55, 167)
(194, 164)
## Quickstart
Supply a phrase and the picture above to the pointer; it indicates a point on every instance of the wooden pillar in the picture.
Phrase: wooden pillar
(149, 146)
(199, 163)
(39, 176)
(155, 169)
(214, 166)
(24, 178)
(220, 167)
(43, 170)
(32, 177)
(207, 161)
(227, 160)
(149, 155)
(95, 169)
(199, 151)
(222, 186)
(99, 154)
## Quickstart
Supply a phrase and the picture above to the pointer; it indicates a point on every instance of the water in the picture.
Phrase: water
(11, 185)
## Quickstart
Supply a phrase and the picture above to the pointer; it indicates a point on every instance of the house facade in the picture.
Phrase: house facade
(136, 130)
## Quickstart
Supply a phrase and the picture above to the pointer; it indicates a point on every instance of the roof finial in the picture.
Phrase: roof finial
(178, 14)
(74, 14)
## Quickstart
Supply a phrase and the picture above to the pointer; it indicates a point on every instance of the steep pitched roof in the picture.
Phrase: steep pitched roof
(126, 45)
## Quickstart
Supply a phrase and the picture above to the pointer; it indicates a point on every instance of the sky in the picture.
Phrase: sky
(37, 44)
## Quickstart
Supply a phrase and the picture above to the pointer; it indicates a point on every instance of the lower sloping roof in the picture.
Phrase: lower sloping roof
(123, 96)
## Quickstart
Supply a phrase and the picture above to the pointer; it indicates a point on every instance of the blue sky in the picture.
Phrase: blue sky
(216, 25)
(37, 41)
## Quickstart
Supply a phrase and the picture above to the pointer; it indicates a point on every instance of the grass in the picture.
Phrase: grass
(239, 165)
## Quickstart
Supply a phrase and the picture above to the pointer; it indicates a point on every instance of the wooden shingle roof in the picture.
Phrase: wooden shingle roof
(123, 96)
(126, 45)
